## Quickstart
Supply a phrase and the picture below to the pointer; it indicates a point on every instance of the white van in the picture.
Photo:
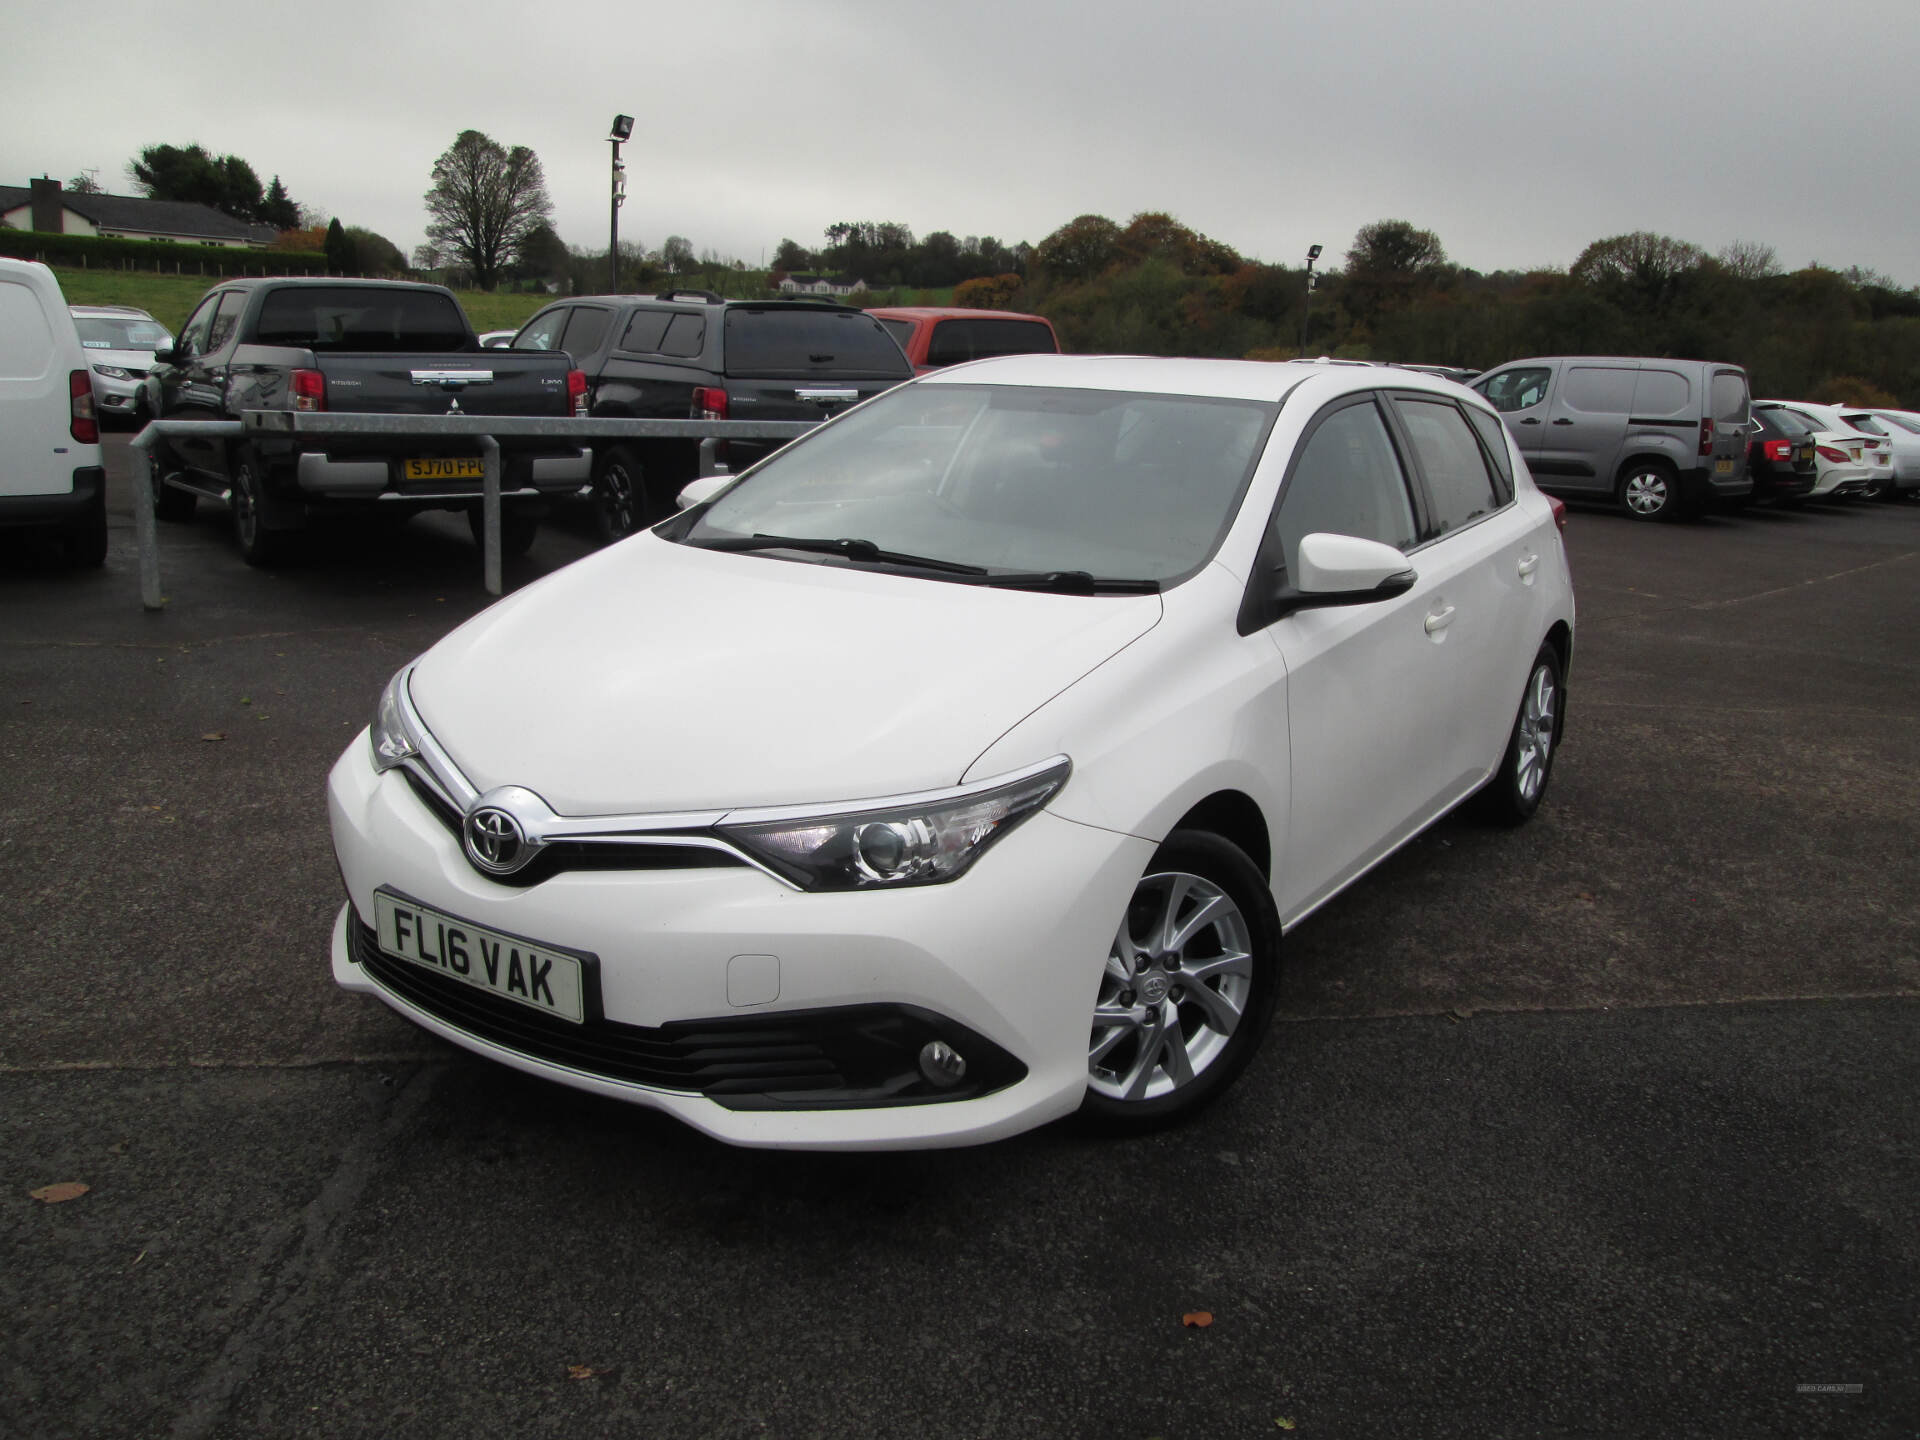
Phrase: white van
(51, 476)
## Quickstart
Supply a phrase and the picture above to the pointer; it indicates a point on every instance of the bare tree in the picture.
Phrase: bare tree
(1750, 260)
(485, 201)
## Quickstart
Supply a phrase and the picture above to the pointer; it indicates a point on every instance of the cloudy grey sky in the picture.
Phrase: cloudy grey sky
(1518, 130)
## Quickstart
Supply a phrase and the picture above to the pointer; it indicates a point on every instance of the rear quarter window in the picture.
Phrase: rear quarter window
(956, 341)
(813, 343)
(1662, 393)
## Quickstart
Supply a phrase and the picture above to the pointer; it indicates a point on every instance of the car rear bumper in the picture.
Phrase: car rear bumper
(89, 483)
(349, 476)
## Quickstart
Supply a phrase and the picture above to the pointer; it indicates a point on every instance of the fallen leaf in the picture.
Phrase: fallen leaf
(214, 735)
(1283, 1422)
(581, 1372)
(65, 1190)
(246, 700)
(1197, 1319)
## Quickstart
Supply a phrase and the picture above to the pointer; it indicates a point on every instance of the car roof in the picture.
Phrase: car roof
(133, 310)
(1264, 380)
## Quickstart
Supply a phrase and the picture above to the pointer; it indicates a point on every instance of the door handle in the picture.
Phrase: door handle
(1528, 564)
(1439, 620)
(1531, 420)
(1563, 421)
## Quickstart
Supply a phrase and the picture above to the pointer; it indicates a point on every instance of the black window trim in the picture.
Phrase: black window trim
(1257, 601)
(1430, 511)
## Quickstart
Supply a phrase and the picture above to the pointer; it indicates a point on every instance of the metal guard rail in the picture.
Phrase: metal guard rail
(489, 430)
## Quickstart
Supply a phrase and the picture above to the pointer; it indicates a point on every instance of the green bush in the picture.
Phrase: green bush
(164, 257)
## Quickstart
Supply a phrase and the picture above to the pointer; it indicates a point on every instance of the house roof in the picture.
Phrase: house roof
(162, 217)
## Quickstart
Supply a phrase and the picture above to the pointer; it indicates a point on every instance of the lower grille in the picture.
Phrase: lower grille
(841, 1057)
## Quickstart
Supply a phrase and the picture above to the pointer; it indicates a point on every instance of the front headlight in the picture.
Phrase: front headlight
(920, 840)
(392, 737)
(113, 372)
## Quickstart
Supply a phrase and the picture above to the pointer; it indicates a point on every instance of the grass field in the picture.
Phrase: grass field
(171, 298)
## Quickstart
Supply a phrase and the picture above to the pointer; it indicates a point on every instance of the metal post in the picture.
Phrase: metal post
(490, 510)
(613, 223)
(1306, 315)
(144, 528)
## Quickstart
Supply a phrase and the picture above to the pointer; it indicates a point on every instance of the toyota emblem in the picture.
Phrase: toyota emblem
(495, 841)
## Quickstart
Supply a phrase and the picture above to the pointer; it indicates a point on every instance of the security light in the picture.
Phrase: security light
(622, 128)
(1313, 251)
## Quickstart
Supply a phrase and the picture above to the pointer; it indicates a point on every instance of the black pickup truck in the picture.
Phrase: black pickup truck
(370, 346)
(692, 355)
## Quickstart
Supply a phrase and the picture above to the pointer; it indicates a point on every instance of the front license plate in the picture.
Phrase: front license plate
(537, 976)
(1723, 467)
(462, 467)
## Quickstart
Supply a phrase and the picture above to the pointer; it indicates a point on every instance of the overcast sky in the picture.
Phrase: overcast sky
(1517, 130)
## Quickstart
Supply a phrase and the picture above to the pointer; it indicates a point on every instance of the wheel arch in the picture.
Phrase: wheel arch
(1237, 818)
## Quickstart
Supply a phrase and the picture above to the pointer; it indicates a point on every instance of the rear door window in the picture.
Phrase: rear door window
(1729, 396)
(1458, 481)
(841, 344)
(645, 331)
(1520, 389)
(586, 330)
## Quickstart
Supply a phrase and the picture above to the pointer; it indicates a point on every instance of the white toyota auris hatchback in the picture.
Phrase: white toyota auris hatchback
(963, 764)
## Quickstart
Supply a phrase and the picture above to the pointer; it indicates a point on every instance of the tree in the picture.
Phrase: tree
(84, 184)
(278, 209)
(1750, 260)
(987, 292)
(1078, 250)
(342, 258)
(542, 255)
(1390, 264)
(1637, 271)
(485, 199)
(426, 257)
(676, 253)
(374, 254)
(226, 182)
(788, 256)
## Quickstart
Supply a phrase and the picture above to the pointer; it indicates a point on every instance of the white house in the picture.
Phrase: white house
(43, 205)
(821, 285)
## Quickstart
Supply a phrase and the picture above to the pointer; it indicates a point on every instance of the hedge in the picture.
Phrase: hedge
(92, 252)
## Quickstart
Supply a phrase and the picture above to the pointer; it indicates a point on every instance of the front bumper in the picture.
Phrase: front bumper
(1009, 954)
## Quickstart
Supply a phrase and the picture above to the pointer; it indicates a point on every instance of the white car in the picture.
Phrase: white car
(1849, 461)
(1902, 432)
(962, 764)
(51, 474)
(497, 339)
(119, 341)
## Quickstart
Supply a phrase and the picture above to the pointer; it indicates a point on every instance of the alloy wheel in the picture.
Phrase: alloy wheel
(1647, 492)
(1536, 734)
(1174, 991)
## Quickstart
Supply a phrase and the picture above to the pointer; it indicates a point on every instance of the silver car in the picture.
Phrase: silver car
(119, 341)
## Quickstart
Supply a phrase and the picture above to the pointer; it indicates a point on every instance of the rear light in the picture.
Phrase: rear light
(1779, 449)
(1706, 437)
(1833, 456)
(309, 390)
(83, 426)
(577, 394)
(1559, 511)
(709, 402)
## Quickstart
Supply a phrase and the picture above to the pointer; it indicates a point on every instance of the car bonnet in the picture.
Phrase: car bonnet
(655, 677)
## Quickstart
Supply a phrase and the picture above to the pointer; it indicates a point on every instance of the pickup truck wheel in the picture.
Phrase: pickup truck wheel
(258, 545)
(517, 532)
(619, 495)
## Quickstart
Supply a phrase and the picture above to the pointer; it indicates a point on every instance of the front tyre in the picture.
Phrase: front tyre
(1517, 787)
(1188, 988)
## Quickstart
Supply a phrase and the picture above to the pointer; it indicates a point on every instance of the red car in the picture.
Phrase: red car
(934, 337)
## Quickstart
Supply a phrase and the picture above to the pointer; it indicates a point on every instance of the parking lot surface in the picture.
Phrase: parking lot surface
(1599, 1127)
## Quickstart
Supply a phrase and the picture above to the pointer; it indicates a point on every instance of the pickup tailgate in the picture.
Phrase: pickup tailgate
(788, 362)
(496, 382)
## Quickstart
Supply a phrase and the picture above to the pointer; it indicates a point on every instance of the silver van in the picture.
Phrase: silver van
(1658, 437)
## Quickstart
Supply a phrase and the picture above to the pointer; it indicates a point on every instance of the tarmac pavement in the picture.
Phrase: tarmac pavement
(1605, 1126)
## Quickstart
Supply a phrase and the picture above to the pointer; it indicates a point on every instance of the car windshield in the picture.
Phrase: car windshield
(1112, 484)
(117, 332)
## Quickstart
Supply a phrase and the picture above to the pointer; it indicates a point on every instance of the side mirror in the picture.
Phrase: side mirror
(167, 355)
(1344, 570)
(698, 492)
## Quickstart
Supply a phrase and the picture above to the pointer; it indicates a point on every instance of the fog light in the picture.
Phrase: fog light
(941, 1063)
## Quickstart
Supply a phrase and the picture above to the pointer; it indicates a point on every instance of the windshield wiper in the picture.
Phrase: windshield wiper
(849, 547)
(1070, 582)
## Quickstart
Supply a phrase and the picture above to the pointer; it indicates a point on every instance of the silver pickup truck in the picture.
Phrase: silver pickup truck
(371, 346)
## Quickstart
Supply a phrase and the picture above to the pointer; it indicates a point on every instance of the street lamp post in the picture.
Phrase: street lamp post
(1313, 254)
(622, 130)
